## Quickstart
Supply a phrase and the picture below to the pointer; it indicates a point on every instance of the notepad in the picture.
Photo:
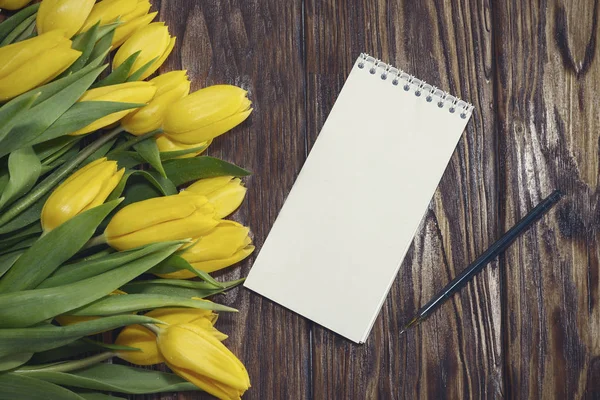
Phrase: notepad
(347, 223)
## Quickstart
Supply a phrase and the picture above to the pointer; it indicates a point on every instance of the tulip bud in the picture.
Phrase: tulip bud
(225, 193)
(33, 62)
(206, 114)
(170, 87)
(107, 11)
(132, 21)
(165, 144)
(130, 92)
(67, 15)
(13, 4)
(140, 337)
(160, 219)
(193, 353)
(153, 41)
(225, 245)
(85, 189)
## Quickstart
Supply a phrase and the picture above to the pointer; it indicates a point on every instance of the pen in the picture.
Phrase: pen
(476, 266)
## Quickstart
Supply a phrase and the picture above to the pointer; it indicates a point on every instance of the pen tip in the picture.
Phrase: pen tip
(412, 323)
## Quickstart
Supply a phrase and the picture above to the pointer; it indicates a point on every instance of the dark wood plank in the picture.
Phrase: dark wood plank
(548, 80)
(457, 353)
(256, 45)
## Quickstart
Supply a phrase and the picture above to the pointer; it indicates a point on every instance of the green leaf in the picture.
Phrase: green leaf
(81, 115)
(20, 245)
(18, 31)
(185, 170)
(85, 43)
(148, 150)
(84, 269)
(136, 76)
(46, 337)
(126, 159)
(143, 185)
(98, 396)
(73, 349)
(16, 386)
(169, 155)
(51, 150)
(99, 153)
(42, 115)
(7, 241)
(13, 109)
(177, 287)
(176, 263)
(54, 248)
(9, 24)
(27, 217)
(104, 42)
(14, 360)
(119, 74)
(21, 309)
(24, 168)
(8, 260)
(118, 378)
(113, 305)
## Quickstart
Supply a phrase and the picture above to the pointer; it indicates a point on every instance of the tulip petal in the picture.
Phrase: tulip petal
(142, 338)
(67, 15)
(124, 32)
(206, 186)
(144, 214)
(153, 40)
(160, 61)
(216, 265)
(222, 242)
(15, 55)
(30, 75)
(196, 224)
(106, 189)
(190, 348)
(151, 117)
(108, 11)
(166, 144)
(204, 107)
(13, 4)
(211, 131)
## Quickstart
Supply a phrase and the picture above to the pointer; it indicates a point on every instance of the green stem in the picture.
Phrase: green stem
(68, 365)
(155, 329)
(95, 241)
(52, 180)
(135, 140)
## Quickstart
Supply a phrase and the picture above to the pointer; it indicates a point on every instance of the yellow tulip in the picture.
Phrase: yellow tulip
(132, 21)
(225, 245)
(193, 353)
(33, 62)
(154, 43)
(145, 340)
(66, 15)
(85, 189)
(130, 92)
(206, 114)
(107, 11)
(13, 4)
(170, 87)
(160, 219)
(226, 193)
(166, 144)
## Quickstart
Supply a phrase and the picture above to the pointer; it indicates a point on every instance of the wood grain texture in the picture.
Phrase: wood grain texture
(456, 354)
(548, 80)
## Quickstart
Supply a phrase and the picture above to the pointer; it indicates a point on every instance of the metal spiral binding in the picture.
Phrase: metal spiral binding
(409, 82)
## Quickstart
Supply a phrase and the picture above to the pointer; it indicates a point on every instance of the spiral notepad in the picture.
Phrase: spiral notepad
(347, 223)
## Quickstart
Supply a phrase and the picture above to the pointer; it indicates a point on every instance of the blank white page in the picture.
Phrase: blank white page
(346, 225)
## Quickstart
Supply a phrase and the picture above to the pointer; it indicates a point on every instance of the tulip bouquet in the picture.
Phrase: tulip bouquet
(107, 208)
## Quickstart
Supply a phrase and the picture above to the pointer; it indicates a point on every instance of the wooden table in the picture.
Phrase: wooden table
(529, 326)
